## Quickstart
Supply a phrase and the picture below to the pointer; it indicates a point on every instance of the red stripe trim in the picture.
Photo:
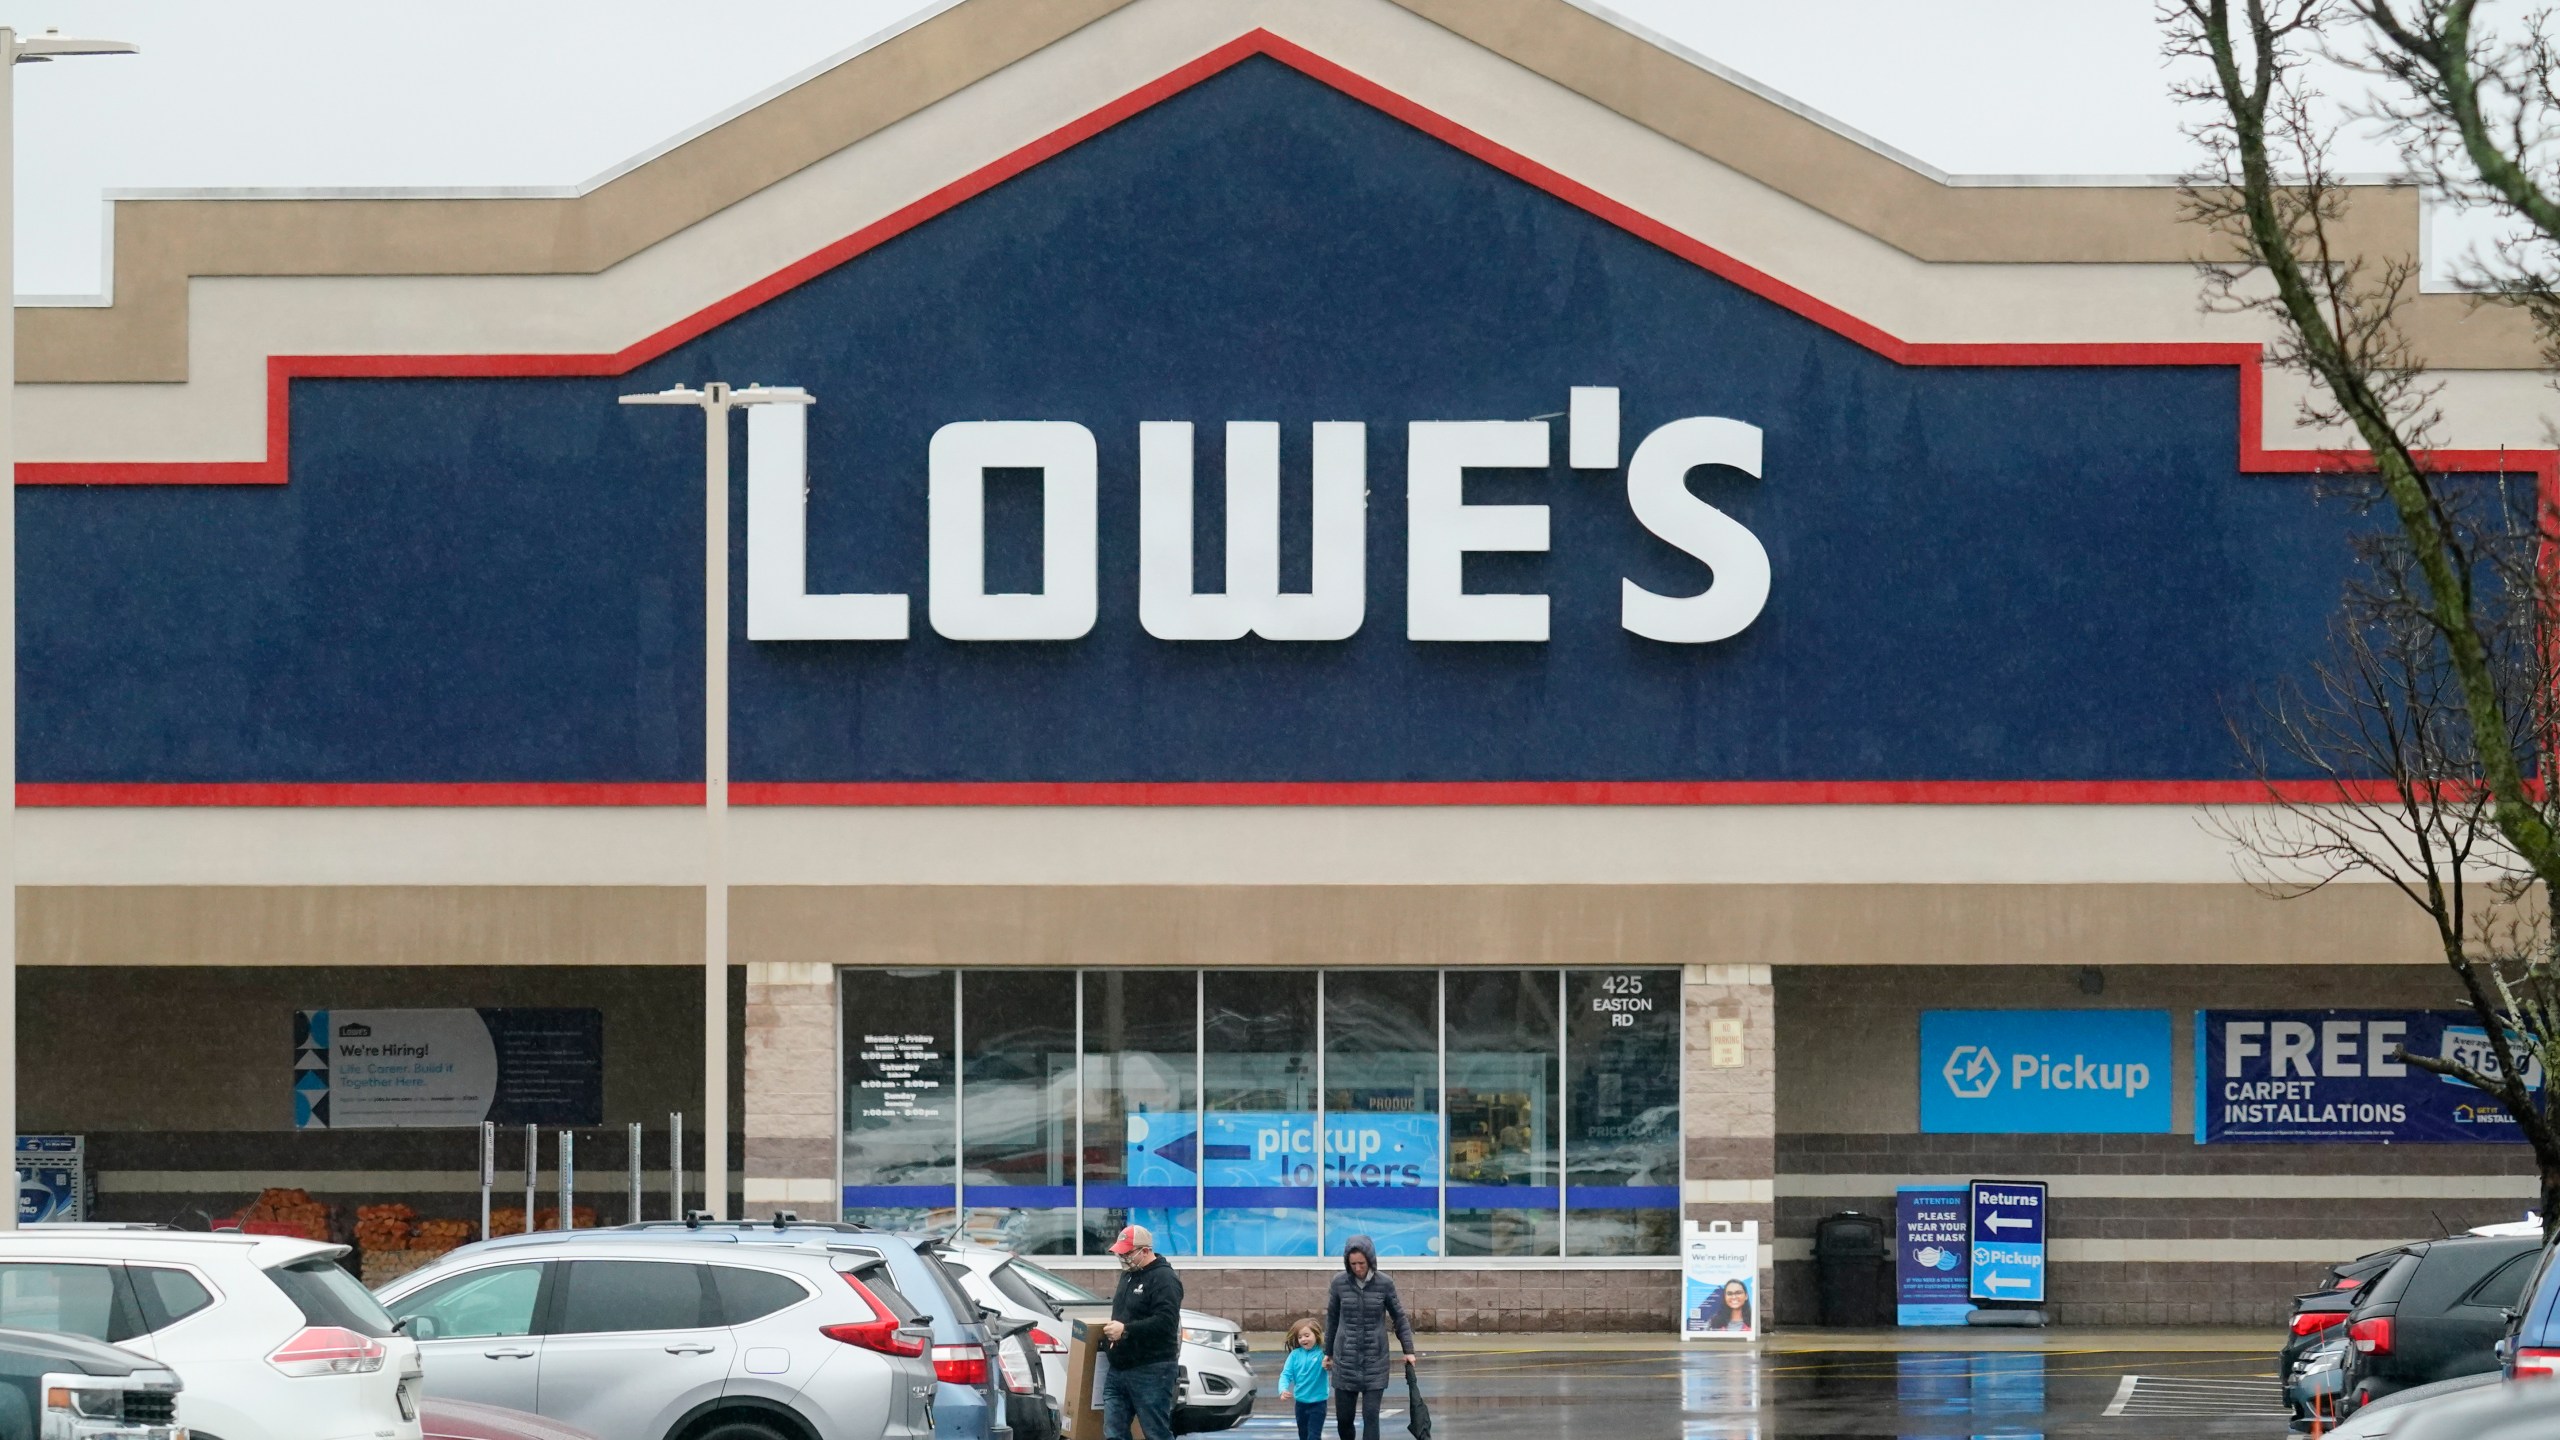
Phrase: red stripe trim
(36, 795)
(1530, 792)
(49, 796)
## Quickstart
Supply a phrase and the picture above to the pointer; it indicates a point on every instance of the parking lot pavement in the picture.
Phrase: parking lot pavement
(1494, 1393)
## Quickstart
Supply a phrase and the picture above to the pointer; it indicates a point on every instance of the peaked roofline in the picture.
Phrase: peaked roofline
(2244, 359)
(160, 244)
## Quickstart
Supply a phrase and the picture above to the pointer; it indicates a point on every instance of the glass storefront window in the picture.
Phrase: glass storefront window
(1471, 1113)
(1141, 1107)
(1622, 1136)
(1382, 1110)
(901, 1137)
(1257, 1141)
(1504, 1115)
(1017, 1109)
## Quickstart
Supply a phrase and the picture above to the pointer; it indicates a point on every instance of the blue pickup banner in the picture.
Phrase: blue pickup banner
(2044, 1072)
(2330, 1077)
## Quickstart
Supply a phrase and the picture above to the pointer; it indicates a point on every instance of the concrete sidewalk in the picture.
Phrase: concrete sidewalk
(1953, 1339)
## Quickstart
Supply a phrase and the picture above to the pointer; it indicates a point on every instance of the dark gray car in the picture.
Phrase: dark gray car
(2435, 1314)
(65, 1387)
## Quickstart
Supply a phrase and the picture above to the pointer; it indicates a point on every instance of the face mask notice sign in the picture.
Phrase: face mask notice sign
(2007, 1225)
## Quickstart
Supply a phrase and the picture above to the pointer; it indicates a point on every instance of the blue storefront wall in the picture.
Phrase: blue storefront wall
(2031, 573)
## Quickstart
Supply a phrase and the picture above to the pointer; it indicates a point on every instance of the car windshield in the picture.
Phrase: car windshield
(327, 1295)
(1057, 1287)
(1010, 1282)
(2387, 1289)
(875, 1278)
(962, 1307)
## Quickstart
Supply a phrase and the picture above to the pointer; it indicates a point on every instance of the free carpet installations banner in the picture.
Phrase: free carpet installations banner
(388, 1069)
(2328, 1077)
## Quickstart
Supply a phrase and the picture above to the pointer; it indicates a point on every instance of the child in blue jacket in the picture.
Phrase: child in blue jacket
(1303, 1379)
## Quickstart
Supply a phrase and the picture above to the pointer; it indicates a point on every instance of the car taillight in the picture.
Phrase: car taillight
(2373, 1337)
(960, 1364)
(2315, 1322)
(328, 1350)
(885, 1336)
(2537, 1364)
(1049, 1344)
(2348, 1282)
(883, 1332)
(1020, 1375)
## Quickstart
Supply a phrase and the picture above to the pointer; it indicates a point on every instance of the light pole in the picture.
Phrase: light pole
(716, 400)
(15, 50)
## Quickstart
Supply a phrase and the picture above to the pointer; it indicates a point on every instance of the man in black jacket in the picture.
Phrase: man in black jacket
(1144, 1334)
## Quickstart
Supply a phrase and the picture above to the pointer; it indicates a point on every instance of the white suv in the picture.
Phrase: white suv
(652, 1339)
(274, 1340)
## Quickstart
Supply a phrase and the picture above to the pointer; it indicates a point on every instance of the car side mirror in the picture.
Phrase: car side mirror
(417, 1327)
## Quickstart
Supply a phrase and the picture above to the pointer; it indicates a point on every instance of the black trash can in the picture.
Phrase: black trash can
(1853, 1270)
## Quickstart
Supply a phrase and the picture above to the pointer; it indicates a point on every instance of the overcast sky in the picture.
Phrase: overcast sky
(551, 93)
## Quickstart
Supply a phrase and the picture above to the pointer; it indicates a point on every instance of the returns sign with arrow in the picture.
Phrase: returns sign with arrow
(2008, 1240)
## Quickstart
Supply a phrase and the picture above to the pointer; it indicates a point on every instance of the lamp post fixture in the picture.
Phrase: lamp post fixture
(716, 400)
(15, 50)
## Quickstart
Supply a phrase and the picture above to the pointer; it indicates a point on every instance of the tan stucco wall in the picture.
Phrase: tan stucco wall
(1926, 261)
(1930, 926)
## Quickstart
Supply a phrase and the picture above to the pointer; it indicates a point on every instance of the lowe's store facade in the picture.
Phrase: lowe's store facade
(1372, 616)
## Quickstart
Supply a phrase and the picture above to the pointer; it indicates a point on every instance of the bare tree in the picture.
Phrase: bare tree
(2427, 730)
(2478, 116)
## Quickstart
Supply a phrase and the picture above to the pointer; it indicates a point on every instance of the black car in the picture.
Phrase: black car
(2317, 1314)
(1028, 1410)
(2437, 1312)
(2325, 1305)
(64, 1387)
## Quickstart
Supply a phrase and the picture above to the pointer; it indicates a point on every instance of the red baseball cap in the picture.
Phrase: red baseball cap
(1134, 1237)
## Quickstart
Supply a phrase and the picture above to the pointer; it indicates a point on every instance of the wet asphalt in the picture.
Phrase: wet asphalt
(1518, 1395)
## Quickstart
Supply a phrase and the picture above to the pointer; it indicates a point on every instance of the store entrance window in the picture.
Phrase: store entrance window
(1141, 1107)
(1522, 1114)
(1622, 1140)
(1258, 1137)
(1504, 1117)
(901, 1122)
(1018, 1110)
(1382, 1110)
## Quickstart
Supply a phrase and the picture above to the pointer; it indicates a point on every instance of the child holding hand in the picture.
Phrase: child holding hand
(1303, 1378)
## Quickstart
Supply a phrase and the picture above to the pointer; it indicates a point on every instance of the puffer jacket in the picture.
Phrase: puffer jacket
(1356, 1318)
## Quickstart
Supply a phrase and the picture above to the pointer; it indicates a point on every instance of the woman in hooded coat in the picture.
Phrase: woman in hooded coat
(1356, 1319)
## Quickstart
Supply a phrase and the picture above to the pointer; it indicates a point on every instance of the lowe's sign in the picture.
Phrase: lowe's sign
(1261, 444)
(1441, 530)
(1991, 1072)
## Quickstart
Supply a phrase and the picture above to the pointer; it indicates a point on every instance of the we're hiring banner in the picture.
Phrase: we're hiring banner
(2330, 1077)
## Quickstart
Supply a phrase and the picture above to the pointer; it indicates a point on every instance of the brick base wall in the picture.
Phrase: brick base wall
(1469, 1301)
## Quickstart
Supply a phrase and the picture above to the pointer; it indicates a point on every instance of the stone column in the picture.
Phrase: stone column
(1729, 1100)
(790, 1095)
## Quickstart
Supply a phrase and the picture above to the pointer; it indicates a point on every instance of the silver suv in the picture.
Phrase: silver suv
(650, 1338)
